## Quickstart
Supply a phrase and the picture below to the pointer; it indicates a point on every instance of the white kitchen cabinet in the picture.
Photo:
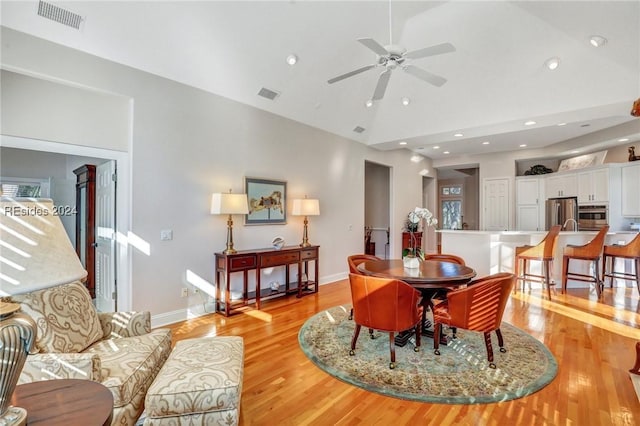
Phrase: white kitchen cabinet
(593, 186)
(530, 203)
(631, 190)
(562, 185)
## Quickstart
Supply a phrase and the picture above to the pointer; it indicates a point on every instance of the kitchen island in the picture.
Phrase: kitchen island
(490, 252)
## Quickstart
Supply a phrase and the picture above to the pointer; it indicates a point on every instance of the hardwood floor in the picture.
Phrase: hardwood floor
(593, 342)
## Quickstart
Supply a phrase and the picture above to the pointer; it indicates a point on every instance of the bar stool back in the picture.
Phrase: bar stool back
(629, 251)
(542, 252)
(589, 252)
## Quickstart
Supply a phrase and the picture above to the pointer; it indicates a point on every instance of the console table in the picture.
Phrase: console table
(244, 261)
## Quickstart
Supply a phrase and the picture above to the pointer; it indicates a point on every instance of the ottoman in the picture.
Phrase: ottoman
(199, 384)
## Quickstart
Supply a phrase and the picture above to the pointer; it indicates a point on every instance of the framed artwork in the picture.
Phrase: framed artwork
(267, 201)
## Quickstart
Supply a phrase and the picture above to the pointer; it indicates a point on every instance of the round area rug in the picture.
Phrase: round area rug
(460, 375)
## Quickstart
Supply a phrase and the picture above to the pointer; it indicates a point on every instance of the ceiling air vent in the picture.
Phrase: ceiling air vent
(58, 14)
(269, 94)
(358, 129)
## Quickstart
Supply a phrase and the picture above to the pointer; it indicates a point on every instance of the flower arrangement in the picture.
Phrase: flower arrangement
(412, 224)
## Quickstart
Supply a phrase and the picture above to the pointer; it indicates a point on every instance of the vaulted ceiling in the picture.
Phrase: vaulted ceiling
(496, 78)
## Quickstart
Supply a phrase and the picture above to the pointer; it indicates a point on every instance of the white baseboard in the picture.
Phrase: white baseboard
(208, 307)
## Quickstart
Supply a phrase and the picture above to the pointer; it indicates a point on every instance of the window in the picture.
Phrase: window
(24, 187)
(451, 206)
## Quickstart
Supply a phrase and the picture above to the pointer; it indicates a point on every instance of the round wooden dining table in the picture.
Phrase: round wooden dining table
(430, 278)
(431, 274)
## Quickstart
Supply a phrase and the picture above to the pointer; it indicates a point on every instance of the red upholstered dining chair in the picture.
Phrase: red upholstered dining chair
(588, 252)
(629, 251)
(443, 257)
(543, 252)
(387, 305)
(353, 261)
(478, 307)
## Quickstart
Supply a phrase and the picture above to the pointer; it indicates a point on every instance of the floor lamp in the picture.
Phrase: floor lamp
(37, 254)
(229, 204)
(306, 207)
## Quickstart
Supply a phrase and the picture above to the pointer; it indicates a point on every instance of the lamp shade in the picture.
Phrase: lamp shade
(35, 250)
(228, 203)
(306, 207)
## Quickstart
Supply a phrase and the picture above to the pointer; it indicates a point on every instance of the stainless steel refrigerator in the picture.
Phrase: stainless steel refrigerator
(562, 211)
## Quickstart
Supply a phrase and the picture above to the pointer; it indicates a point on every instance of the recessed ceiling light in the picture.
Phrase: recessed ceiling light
(562, 124)
(406, 101)
(369, 103)
(522, 145)
(529, 123)
(416, 158)
(575, 151)
(623, 140)
(486, 143)
(402, 143)
(292, 59)
(424, 172)
(458, 135)
(436, 147)
(552, 63)
(597, 41)
(446, 152)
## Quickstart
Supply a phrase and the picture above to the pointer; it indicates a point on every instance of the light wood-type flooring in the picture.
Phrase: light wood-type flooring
(593, 342)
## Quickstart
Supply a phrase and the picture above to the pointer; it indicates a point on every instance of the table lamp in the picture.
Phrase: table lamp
(229, 204)
(36, 253)
(305, 207)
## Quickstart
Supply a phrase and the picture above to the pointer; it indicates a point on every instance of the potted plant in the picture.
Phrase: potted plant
(413, 254)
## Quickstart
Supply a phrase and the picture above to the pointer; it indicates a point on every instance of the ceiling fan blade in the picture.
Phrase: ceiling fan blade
(438, 49)
(349, 74)
(436, 80)
(381, 87)
(374, 45)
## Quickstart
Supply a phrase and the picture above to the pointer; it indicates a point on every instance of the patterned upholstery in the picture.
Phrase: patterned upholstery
(117, 349)
(66, 319)
(200, 383)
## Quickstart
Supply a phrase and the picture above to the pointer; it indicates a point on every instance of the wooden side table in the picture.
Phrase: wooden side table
(244, 261)
(65, 402)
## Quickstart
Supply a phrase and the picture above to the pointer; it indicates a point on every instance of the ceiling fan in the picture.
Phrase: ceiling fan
(394, 56)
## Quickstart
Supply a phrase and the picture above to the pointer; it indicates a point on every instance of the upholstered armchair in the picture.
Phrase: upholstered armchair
(353, 261)
(478, 307)
(386, 305)
(74, 341)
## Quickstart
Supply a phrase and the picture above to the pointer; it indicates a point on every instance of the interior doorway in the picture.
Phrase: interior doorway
(73, 156)
(377, 208)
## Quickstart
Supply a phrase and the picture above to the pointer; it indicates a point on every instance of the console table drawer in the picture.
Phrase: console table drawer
(242, 262)
(311, 253)
(279, 259)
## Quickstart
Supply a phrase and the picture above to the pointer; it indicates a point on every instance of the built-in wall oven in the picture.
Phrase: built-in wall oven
(592, 218)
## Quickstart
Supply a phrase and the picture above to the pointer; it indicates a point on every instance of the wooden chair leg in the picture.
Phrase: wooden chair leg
(487, 343)
(356, 332)
(516, 270)
(392, 349)
(599, 283)
(547, 277)
(604, 270)
(636, 368)
(500, 340)
(565, 271)
(638, 273)
(418, 334)
(436, 340)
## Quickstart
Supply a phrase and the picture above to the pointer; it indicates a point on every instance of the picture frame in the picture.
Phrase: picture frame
(267, 201)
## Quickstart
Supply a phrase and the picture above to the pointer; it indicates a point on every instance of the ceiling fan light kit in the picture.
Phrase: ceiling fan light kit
(597, 41)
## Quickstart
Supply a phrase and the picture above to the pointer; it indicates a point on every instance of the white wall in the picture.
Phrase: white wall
(186, 144)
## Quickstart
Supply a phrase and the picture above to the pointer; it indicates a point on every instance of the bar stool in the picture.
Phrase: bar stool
(629, 251)
(589, 252)
(542, 252)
